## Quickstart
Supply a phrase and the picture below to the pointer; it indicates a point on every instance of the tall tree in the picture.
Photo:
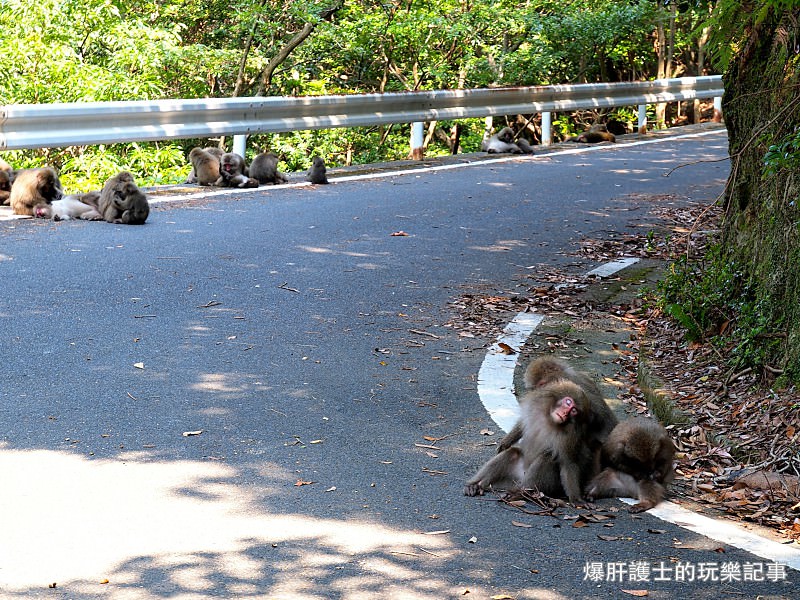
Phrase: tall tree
(758, 40)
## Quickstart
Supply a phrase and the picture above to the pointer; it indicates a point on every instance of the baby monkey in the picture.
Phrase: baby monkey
(637, 457)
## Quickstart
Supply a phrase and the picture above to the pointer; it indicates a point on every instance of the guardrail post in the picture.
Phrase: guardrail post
(547, 128)
(417, 140)
(239, 144)
(643, 118)
(717, 118)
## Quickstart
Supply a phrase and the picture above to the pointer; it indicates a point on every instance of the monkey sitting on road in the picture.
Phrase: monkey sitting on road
(264, 169)
(205, 165)
(121, 201)
(232, 172)
(600, 419)
(553, 455)
(317, 173)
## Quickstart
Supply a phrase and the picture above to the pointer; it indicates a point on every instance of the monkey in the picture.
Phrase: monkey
(264, 168)
(638, 459)
(501, 142)
(552, 456)
(596, 133)
(600, 420)
(205, 165)
(5, 186)
(121, 201)
(317, 174)
(33, 191)
(4, 166)
(77, 206)
(232, 172)
(525, 146)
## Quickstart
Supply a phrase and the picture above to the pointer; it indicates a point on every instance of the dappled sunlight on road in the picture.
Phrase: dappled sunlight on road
(501, 246)
(191, 529)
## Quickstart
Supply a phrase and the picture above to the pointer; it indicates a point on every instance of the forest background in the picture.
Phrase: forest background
(99, 50)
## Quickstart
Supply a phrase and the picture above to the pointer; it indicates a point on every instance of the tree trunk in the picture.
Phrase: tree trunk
(297, 39)
(761, 236)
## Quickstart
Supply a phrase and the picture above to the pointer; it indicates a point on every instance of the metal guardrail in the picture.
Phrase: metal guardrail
(91, 123)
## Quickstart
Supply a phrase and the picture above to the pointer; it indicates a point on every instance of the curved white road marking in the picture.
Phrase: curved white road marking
(496, 375)
(496, 391)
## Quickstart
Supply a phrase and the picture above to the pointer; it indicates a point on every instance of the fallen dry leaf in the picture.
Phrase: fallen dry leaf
(190, 433)
(503, 597)
(487, 432)
(139, 365)
(520, 524)
(472, 540)
(506, 348)
(438, 532)
(638, 593)
(300, 482)
(400, 233)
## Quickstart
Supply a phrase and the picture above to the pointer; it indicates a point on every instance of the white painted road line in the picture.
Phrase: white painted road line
(496, 375)
(726, 532)
(496, 391)
(608, 269)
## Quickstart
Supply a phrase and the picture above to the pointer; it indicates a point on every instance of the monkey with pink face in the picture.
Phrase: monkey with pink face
(553, 455)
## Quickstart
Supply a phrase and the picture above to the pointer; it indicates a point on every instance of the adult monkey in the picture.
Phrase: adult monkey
(121, 201)
(552, 455)
(600, 420)
(264, 169)
(33, 191)
(205, 165)
(502, 142)
(232, 172)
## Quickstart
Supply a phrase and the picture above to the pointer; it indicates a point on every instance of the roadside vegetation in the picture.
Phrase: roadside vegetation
(100, 50)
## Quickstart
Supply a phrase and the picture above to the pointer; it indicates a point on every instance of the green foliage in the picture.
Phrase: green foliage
(98, 50)
(714, 302)
(784, 155)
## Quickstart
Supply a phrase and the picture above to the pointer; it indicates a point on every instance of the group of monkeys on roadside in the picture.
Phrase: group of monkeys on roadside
(37, 193)
(213, 166)
(568, 443)
(506, 141)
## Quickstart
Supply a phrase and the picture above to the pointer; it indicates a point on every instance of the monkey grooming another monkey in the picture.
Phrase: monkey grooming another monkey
(121, 201)
(600, 420)
(638, 459)
(33, 191)
(232, 172)
(553, 455)
(205, 165)
(264, 168)
(317, 174)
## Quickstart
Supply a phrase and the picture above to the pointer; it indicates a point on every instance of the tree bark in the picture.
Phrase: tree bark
(761, 236)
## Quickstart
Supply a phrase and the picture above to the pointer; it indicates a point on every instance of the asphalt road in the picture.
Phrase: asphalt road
(307, 351)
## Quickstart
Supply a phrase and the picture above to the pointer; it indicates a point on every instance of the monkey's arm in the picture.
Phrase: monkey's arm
(502, 470)
(511, 438)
